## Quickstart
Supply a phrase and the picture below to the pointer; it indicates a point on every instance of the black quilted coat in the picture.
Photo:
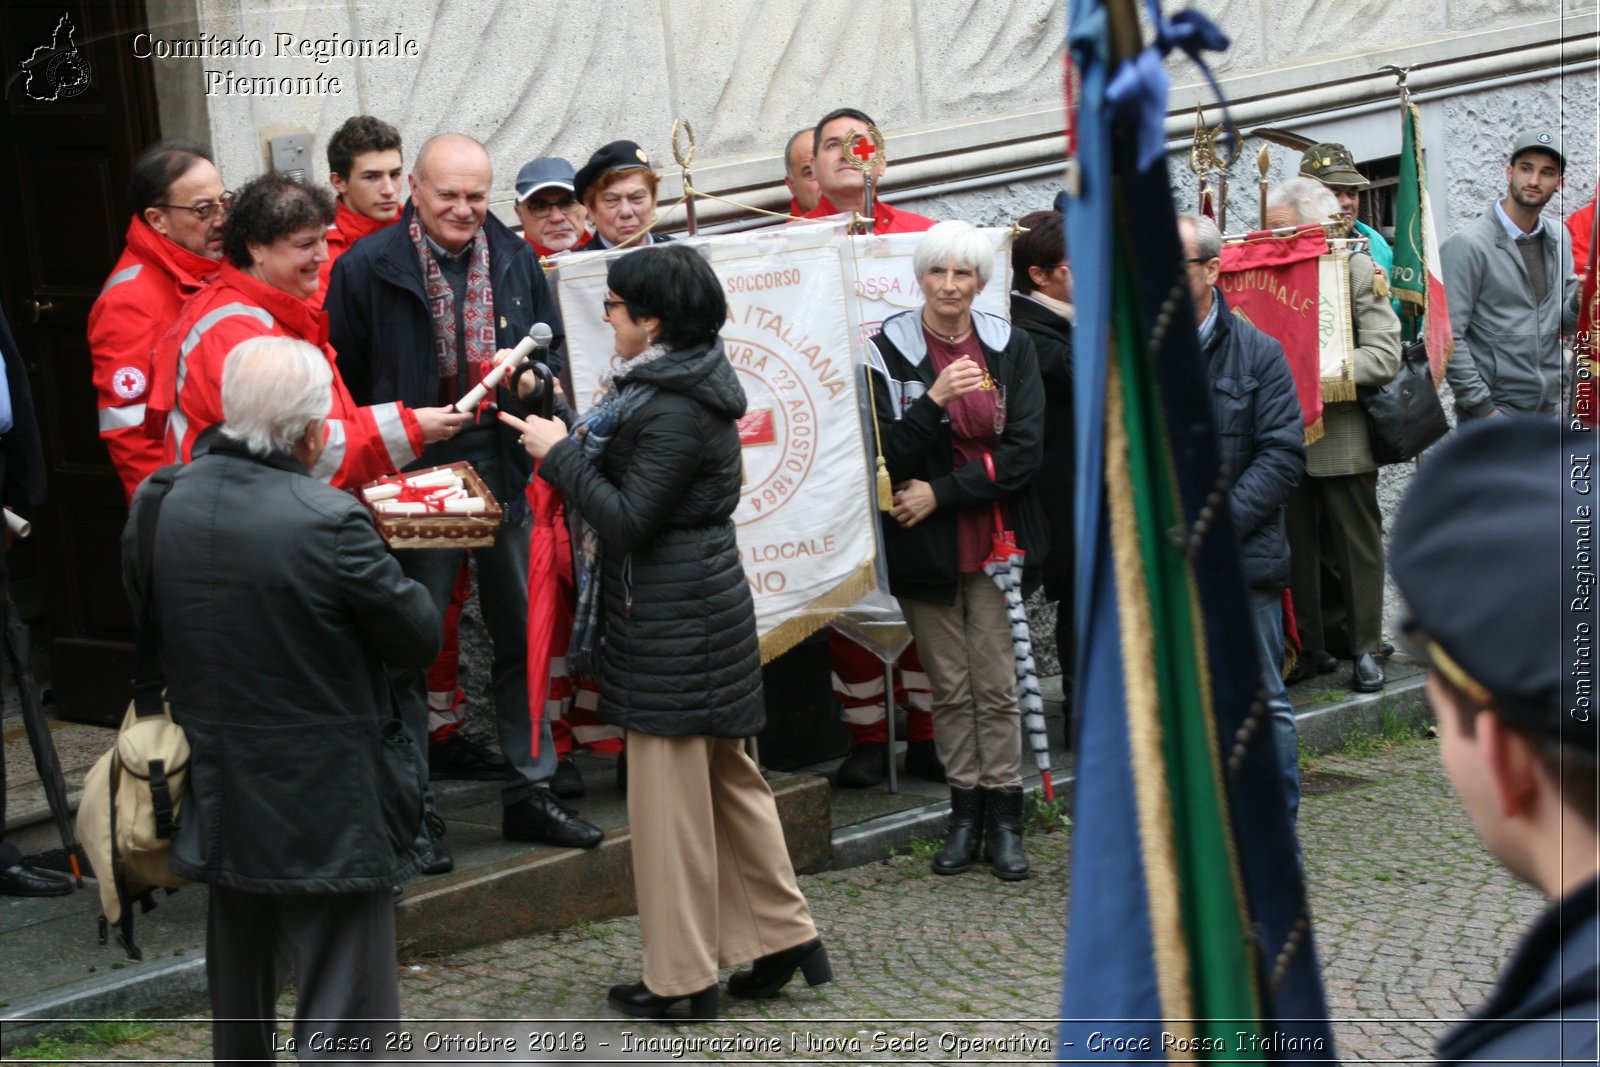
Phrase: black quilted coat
(680, 655)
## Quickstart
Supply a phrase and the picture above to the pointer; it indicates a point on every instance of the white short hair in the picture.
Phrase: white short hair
(955, 240)
(1307, 199)
(272, 388)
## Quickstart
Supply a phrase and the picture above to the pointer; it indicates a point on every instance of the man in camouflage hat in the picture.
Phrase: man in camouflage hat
(1333, 165)
(1493, 552)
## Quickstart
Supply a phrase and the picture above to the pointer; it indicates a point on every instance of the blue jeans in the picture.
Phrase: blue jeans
(1266, 612)
(503, 597)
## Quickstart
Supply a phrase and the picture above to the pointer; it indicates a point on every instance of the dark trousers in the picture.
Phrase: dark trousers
(503, 598)
(340, 948)
(1336, 530)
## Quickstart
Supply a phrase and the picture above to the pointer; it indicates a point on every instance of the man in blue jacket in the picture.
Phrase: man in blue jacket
(419, 310)
(1260, 433)
(1493, 552)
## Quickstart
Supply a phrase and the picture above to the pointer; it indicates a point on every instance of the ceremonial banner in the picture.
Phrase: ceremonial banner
(1417, 282)
(1585, 394)
(878, 270)
(806, 525)
(1293, 289)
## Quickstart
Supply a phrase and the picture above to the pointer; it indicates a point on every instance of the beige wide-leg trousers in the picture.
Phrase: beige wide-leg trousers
(710, 868)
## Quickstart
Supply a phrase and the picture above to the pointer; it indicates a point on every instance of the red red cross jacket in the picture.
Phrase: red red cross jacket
(362, 443)
(141, 299)
(885, 218)
(348, 228)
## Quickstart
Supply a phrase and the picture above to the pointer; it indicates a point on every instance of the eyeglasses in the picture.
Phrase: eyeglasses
(545, 207)
(609, 304)
(1200, 259)
(203, 211)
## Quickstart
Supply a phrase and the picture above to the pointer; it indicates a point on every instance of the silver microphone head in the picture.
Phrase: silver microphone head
(541, 334)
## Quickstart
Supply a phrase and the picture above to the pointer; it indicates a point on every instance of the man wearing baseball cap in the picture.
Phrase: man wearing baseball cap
(1512, 290)
(1493, 552)
(547, 205)
(1334, 166)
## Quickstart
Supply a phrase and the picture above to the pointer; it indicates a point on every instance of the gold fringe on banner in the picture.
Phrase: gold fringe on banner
(820, 612)
(1315, 431)
(1338, 390)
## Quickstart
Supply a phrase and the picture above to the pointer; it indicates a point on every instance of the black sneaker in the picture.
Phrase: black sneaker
(567, 782)
(460, 759)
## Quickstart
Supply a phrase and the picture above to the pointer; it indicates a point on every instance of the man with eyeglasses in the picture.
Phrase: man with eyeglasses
(547, 206)
(174, 242)
(364, 164)
(418, 313)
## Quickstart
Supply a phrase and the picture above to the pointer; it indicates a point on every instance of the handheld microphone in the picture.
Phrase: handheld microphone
(538, 340)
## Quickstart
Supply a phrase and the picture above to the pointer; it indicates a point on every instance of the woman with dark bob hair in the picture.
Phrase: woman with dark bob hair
(962, 415)
(275, 242)
(653, 470)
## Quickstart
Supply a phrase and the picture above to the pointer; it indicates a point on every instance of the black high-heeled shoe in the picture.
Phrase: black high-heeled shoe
(769, 974)
(633, 998)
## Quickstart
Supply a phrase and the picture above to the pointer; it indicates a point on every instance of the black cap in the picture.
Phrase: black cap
(618, 155)
(1494, 553)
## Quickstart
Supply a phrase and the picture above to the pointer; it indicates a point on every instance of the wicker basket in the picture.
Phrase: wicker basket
(441, 531)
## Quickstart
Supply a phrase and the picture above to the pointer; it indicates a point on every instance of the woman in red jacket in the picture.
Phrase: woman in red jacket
(275, 243)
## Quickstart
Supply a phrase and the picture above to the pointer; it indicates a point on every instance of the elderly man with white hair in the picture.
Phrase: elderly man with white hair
(280, 616)
(1335, 527)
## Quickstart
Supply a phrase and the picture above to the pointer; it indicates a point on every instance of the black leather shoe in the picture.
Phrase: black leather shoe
(769, 974)
(459, 759)
(634, 999)
(439, 861)
(1324, 661)
(567, 782)
(22, 881)
(865, 765)
(544, 820)
(922, 761)
(964, 842)
(1368, 677)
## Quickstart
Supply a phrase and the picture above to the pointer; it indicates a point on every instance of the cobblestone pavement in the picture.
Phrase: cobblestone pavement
(1413, 917)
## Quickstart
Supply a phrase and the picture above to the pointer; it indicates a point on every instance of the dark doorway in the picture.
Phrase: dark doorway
(77, 110)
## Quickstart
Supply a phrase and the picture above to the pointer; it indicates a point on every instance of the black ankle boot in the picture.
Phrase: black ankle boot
(637, 1000)
(1003, 809)
(965, 839)
(771, 973)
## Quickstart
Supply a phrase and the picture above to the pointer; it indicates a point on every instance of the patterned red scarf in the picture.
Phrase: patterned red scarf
(477, 308)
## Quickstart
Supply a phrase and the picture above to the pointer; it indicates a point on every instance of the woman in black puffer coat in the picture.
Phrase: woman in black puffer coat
(654, 471)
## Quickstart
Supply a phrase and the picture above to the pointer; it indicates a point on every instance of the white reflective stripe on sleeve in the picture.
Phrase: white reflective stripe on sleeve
(126, 274)
(112, 419)
(210, 319)
(177, 426)
(333, 450)
(865, 715)
(392, 428)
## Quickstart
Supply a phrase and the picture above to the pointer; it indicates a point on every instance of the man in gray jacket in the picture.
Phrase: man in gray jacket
(1512, 291)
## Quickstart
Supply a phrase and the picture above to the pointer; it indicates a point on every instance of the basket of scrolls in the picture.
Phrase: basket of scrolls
(441, 507)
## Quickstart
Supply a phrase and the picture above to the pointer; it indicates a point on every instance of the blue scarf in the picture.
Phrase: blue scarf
(594, 433)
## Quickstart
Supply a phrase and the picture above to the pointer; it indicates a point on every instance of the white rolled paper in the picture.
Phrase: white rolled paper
(471, 505)
(538, 337)
(20, 527)
(395, 507)
(386, 491)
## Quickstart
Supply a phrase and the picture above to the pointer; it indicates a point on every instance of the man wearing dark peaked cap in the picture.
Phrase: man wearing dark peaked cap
(1494, 553)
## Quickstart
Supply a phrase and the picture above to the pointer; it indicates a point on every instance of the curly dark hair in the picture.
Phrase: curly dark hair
(359, 135)
(674, 283)
(268, 208)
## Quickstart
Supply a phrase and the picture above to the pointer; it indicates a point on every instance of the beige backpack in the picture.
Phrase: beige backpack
(129, 811)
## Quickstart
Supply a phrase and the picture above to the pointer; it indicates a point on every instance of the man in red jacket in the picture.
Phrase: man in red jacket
(843, 186)
(174, 241)
(364, 164)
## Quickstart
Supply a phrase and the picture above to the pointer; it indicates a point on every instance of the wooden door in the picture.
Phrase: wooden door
(78, 109)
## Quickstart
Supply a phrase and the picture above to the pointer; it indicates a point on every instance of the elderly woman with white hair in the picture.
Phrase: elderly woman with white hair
(961, 413)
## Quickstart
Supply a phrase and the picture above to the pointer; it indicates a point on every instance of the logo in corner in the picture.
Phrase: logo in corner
(58, 70)
(128, 382)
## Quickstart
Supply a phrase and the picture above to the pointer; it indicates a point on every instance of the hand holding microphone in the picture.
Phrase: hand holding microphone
(535, 345)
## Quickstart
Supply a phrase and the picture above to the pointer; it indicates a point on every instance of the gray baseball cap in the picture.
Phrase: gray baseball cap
(542, 173)
(1540, 140)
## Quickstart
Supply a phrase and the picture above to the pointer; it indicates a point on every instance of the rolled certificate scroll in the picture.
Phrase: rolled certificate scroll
(538, 339)
(20, 527)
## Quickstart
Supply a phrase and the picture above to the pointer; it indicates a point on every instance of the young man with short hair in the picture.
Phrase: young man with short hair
(364, 165)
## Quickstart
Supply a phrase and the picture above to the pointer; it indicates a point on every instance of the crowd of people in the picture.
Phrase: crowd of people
(288, 345)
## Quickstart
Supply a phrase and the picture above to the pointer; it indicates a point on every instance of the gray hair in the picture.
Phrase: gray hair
(272, 388)
(1307, 199)
(1207, 238)
(954, 240)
